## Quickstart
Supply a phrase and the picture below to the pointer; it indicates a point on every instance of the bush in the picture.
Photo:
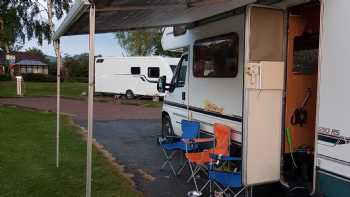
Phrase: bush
(78, 79)
(5, 78)
(39, 78)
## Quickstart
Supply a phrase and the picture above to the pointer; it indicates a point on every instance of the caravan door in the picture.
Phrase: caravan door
(263, 94)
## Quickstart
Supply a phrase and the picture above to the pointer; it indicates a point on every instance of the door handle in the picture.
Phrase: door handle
(183, 96)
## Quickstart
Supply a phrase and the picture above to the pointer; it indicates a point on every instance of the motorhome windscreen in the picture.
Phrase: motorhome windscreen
(181, 78)
(216, 56)
(173, 68)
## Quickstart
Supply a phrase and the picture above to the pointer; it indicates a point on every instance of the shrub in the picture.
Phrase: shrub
(78, 79)
(39, 78)
(5, 78)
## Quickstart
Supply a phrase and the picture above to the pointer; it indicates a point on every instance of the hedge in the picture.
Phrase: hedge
(5, 78)
(39, 78)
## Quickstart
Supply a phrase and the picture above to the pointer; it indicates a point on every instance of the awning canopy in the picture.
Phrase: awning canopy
(119, 15)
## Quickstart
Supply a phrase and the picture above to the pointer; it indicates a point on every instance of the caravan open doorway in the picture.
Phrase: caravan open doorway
(301, 94)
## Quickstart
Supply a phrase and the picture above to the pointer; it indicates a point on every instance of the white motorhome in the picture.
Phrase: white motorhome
(276, 74)
(132, 76)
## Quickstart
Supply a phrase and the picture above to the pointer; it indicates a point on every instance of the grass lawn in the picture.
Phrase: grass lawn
(73, 90)
(27, 159)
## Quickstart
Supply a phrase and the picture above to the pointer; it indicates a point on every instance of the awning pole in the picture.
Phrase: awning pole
(90, 99)
(58, 110)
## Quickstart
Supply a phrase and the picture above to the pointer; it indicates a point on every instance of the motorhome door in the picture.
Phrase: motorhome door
(263, 94)
(177, 98)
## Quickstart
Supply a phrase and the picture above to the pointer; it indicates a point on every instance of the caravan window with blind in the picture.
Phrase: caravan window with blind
(216, 56)
(135, 70)
(153, 72)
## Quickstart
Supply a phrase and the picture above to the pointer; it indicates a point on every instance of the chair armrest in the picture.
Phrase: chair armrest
(168, 139)
(203, 140)
(173, 137)
(197, 140)
(224, 158)
(187, 141)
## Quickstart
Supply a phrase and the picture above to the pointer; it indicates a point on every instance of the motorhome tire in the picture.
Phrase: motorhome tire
(129, 94)
(167, 129)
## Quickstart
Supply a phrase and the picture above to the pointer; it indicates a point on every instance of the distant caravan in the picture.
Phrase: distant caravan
(132, 76)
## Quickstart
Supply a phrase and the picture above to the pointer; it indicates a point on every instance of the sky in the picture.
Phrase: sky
(106, 45)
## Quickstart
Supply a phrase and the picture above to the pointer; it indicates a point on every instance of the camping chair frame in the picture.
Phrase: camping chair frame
(199, 168)
(225, 190)
(203, 167)
(190, 131)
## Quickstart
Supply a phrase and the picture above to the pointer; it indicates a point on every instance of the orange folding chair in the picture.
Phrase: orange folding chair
(222, 139)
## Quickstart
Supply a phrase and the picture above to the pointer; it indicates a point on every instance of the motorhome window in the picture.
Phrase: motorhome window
(216, 57)
(179, 30)
(153, 72)
(99, 60)
(181, 76)
(135, 70)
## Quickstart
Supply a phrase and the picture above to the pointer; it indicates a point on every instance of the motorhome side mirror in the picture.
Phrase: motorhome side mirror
(161, 85)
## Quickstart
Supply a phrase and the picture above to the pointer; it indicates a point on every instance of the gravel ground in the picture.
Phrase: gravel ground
(78, 108)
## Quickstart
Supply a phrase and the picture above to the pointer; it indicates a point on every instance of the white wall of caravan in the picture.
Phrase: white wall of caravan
(113, 75)
(223, 92)
(334, 94)
(226, 93)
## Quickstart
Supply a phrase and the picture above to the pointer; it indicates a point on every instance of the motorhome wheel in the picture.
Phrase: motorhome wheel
(129, 94)
(167, 129)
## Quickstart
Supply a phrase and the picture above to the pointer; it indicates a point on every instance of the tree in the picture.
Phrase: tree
(27, 19)
(76, 67)
(38, 53)
(143, 42)
(9, 31)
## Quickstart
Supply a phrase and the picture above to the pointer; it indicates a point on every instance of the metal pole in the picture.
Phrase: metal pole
(90, 99)
(59, 63)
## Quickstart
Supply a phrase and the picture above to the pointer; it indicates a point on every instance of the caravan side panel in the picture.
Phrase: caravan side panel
(226, 93)
(333, 154)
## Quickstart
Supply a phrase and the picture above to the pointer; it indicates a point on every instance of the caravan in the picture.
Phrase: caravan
(276, 74)
(132, 76)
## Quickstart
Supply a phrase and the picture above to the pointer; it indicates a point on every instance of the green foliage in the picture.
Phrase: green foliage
(27, 152)
(39, 78)
(10, 29)
(71, 90)
(76, 67)
(5, 78)
(26, 19)
(143, 43)
(39, 53)
(52, 68)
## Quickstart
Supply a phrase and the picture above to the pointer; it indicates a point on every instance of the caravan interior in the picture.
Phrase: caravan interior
(301, 93)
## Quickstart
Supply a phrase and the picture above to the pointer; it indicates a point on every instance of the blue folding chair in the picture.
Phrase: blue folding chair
(225, 181)
(190, 131)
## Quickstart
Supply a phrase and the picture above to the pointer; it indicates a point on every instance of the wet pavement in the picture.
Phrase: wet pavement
(133, 143)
